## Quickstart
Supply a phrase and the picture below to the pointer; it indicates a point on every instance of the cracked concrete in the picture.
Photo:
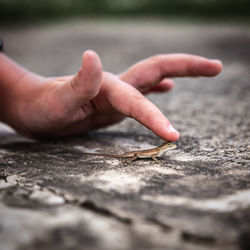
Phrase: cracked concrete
(52, 195)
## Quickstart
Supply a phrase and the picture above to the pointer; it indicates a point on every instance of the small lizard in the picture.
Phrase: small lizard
(147, 153)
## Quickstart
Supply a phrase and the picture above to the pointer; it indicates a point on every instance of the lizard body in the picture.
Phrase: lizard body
(147, 153)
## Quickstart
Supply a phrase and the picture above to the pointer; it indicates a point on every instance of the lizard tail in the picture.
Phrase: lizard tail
(105, 155)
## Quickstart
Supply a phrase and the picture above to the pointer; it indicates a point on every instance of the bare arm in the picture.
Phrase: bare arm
(10, 76)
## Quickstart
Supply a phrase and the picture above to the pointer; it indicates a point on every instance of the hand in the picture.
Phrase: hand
(93, 98)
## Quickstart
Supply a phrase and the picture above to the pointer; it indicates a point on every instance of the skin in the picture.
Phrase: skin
(43, 107)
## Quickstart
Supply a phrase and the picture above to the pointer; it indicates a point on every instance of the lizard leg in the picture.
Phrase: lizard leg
(132, 158)
(154, 157)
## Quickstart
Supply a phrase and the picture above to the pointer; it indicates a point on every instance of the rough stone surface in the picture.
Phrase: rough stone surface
(52, 196)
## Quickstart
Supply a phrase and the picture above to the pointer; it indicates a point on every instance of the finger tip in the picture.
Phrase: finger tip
(164, 86)
(169, 83)
(218, 64)
(89, 53)
(91, 60)
(215, 67)
(170, 134)
(173, 136)
(90, 56)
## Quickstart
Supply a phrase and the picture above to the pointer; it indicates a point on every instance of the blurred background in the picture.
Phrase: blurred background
(12, 10)
(49, 36)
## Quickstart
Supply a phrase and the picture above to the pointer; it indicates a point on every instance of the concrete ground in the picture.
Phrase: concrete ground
(52, 196)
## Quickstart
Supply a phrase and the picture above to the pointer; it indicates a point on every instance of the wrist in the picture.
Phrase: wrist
(12, 87)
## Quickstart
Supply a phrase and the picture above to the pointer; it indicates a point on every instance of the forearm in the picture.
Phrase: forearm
(10, 76)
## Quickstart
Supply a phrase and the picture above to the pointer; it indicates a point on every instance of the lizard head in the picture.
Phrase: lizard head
(168, 145)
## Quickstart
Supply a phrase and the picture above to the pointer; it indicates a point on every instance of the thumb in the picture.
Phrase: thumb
(86, 84)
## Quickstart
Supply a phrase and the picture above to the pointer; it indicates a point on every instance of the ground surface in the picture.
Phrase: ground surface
(197, 197)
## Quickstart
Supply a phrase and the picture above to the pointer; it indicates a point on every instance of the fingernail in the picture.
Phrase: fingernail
(172, 129)
(216, 61)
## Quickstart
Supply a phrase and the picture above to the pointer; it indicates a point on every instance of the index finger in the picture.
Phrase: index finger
(130, 102)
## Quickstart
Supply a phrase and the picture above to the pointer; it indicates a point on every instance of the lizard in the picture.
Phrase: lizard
(146, 153)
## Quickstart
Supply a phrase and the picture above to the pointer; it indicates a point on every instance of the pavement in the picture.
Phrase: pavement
(53, 196)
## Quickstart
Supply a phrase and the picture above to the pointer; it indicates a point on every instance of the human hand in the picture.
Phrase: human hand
(91, 99)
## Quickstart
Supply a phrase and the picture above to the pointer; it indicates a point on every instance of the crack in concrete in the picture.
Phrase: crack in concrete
(198, 239)
(90, 205)
(166, 228)
(73, 200)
